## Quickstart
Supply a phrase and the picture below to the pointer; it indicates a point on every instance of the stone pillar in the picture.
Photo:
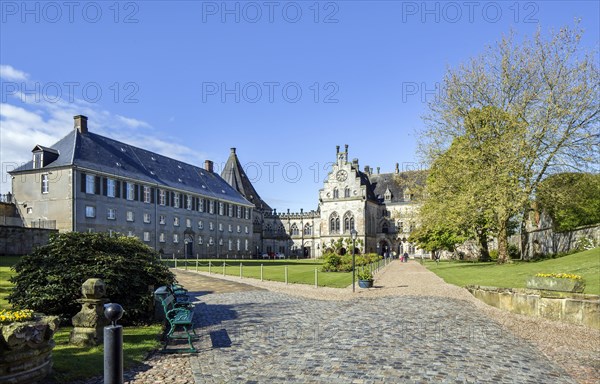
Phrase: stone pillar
(90, 321)
(26, 350)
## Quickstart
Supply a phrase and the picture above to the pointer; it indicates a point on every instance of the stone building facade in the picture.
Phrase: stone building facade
(90, 183)
(381, 207)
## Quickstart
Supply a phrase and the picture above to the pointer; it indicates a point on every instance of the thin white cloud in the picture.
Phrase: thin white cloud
(133, 123)
(28, 121)
(9, 73)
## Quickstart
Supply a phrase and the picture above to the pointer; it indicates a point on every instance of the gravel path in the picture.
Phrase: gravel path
(411, 327)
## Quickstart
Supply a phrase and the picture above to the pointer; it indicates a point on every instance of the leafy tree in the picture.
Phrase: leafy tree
(544, 92)
(49, 280)
(571, 199)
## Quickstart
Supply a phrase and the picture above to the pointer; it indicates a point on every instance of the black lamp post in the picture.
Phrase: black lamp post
(353, 234)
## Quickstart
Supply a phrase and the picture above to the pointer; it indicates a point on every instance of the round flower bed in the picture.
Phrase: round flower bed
(25, 346)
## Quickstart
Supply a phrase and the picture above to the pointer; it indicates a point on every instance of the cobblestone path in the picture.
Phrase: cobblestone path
(267, 337)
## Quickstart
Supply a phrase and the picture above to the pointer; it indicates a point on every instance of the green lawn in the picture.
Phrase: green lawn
(5, 273)
(73, 363)
(585, 264)
(300, 271)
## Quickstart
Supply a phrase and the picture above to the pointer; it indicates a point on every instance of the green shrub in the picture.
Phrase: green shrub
(364, 274)
(514, 252)
(49, 280)
(336, 263)
(494, 254)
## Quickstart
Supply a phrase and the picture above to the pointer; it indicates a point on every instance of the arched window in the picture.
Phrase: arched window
(346, 192)
(334, 223)
(348, 222)
(336, 193)
(294, 230)
(307, 229)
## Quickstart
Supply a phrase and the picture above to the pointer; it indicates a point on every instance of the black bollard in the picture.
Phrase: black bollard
(113, 345)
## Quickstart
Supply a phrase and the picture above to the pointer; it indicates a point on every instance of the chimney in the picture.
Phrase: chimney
(397, 168)
(81, 123)
(208, 165)
(367, 171)
(337, 149)
(378, 170)
(346, 146)
(233, 151)
(355, 163)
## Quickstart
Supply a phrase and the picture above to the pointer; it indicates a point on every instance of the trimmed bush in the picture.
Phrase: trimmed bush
(336, 263)
(49, 280)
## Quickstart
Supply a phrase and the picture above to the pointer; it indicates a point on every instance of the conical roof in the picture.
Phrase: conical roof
(234, 174)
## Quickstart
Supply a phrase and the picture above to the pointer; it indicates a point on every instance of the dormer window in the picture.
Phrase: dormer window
(43, 156)
(387, 195)
(37, 160)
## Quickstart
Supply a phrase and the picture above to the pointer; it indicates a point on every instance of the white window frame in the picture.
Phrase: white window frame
(130, 216)
(130, 191)
(176, 199)
(146, 236)
(162, 220)
(200, 224)
(229, 228)
(146, 194)
(162, 197)
(147, 218)
(189, 202)
(45, 183)
(111, 214)
(221, 227)
(201, 205)
(161, 237)
(176, 221)
(90, 184)
(111, 187)
(188, 223)
(37, 160)
(176, 238)
(90, 211)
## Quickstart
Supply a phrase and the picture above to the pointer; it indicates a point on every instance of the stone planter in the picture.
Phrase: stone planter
(555, 284)
(26, 350)
(365, 283)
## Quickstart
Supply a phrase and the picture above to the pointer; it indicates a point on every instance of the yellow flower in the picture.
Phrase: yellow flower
(7, 316)
(560, 275)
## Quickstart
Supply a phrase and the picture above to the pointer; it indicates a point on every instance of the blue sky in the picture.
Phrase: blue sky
(284, 82)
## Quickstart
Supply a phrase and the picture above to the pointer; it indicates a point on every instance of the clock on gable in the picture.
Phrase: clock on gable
(341, 175)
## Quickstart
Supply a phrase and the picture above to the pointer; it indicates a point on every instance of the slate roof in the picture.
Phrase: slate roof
(397, 184)
(234, 174)
(364, 180)
(102, 154)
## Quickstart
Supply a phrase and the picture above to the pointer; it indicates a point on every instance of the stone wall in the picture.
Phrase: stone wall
(21, 241)
(546, 241)
(566, 307)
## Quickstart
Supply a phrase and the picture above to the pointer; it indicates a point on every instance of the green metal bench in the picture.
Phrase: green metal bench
(178, 317)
